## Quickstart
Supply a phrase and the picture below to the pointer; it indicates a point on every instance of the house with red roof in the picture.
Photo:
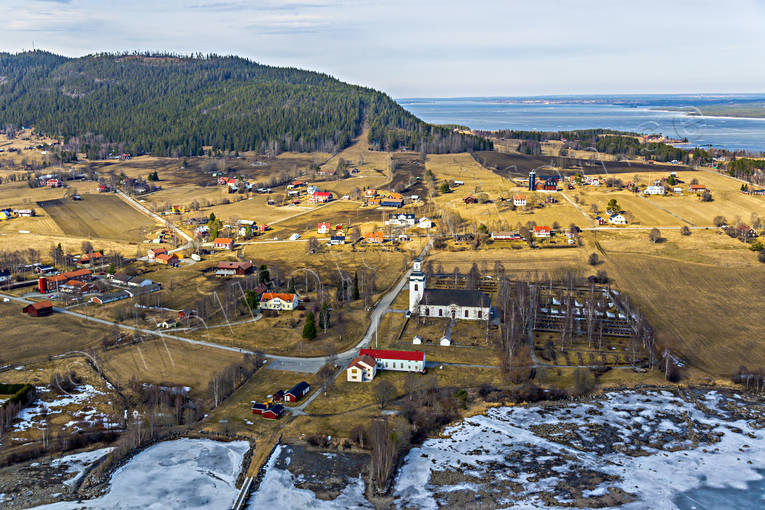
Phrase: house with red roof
(277, 301)
(374, 238)
(223, 243)
(321, 197)
(362, 369)
(169, 259)
(402, 361)
(323, 228)
(542, 231)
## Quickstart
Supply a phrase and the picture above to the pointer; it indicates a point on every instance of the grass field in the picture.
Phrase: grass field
(169, 363)
(102, 216)
(26, 338)
(707, 314)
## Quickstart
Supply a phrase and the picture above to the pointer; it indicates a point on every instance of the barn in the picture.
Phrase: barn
(274, 412)
(259, 408)
(40, 309)
(297, 392)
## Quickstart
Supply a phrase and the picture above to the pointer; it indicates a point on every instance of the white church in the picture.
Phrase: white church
(446, 303)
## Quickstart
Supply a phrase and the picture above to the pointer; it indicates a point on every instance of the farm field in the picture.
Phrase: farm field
(167, 362)
(730, 204)
(19, 195)
(27, 339)
(705, 313)
(522, 261)
(702, 246)
(102, 216)
(645, 211)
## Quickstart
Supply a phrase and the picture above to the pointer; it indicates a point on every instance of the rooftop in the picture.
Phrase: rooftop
(459, 297)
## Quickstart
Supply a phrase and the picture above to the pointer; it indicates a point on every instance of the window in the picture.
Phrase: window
(480, 313)
(466, 314)
(427, 311)
(440, 312)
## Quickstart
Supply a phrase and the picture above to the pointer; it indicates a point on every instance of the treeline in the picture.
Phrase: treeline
(169, 105)
(747, 169)
(544, 136)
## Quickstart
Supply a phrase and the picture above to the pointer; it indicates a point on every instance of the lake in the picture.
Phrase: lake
(501, 113)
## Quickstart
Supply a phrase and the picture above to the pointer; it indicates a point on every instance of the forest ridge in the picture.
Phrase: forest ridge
(170, 105)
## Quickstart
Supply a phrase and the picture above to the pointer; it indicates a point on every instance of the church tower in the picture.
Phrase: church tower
(416, 285)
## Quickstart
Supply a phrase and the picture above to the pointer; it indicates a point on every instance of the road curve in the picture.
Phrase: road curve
(291, 363)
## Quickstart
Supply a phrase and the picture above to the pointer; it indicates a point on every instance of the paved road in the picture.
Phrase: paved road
(292, 363)
(137, 205)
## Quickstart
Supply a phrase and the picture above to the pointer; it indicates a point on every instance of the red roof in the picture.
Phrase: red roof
(360, 361)
(322, 194)
(40, 305)
(542, 229)
(399, 355)
(223, 240)
(267, 296)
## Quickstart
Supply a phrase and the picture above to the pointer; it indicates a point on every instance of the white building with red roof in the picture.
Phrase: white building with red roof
(402, 361)
(362, 369)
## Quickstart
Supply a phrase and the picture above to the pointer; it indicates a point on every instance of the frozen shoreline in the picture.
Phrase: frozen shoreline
(183, 473)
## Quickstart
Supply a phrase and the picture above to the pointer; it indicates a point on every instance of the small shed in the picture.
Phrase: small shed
(445, 342)
(417, 340)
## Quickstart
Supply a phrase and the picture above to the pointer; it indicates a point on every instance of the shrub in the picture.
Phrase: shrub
(593, 260)
(685, 231)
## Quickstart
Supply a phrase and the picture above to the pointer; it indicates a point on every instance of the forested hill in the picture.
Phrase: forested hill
(168, 105)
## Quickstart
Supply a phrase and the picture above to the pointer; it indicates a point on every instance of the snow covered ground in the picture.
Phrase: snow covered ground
(77, 403)
(77, 463)
(631, 450)
(180, 474)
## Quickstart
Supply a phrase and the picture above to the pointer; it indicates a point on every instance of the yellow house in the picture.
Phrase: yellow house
(362, 369)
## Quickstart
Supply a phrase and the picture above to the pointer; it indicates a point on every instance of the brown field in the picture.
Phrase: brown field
(705, 313)
(514, 261)
(26, 339)
(20, 195)
(167, 362)
(102, 216)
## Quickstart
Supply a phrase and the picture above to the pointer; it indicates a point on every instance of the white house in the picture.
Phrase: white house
(362, 369)
(401, 219)
(519, 200)
(274, 301)
(617, 219)
(323, 228)
(402, 361)
(425, 223)
(654, 190)
(446, 303)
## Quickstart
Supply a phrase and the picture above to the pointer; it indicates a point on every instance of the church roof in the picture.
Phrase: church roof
(446, 297)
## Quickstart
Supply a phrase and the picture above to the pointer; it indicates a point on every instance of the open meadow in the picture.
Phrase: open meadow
(168, 363)
(104, 216)
(25, 339)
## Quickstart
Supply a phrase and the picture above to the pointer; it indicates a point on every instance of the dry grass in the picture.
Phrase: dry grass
(707, 314)
(167, 362)
(26, 339)
(283, 334)
(99, 217)
(235, 414)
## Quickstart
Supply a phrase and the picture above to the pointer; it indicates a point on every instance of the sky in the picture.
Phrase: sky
(431, 48)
